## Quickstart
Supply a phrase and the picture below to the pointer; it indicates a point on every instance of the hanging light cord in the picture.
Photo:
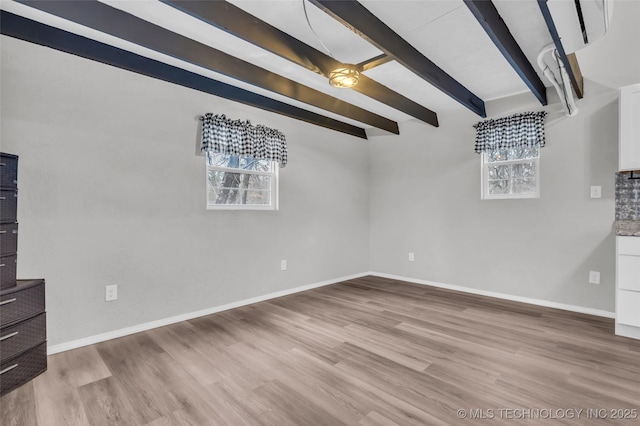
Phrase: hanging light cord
(304, 6)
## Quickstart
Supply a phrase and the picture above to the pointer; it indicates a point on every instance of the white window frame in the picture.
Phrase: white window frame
(484, 187)
(273, 173)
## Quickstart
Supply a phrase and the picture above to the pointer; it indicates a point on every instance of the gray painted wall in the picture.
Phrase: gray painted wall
(111, 191)
(425, 198)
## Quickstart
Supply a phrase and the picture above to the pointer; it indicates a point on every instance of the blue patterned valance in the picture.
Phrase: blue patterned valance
(237, 137)
(523, 129)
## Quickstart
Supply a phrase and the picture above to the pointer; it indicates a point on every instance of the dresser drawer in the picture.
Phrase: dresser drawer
(8, 271)
(22, 336)
(8, 206)
(8, 238)
(16, 371)
(8, 171)
(628, 245)
(628, 308)
(629, 272)
(21, 302)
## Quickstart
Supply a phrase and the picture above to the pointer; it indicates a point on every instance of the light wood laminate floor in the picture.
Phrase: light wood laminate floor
(369, 351)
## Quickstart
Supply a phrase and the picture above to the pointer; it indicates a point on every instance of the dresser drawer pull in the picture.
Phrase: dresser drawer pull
(3, 198)
(6, 302)
(3, 164)
(3, 232)
(6, 370)
(1, 265)
(9, 336)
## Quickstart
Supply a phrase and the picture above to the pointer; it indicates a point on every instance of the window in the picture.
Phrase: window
(511, 173)
(510, 155)
(242, 163)
(241, 183)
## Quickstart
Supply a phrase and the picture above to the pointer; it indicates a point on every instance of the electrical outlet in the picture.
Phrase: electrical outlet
(594, 277)
(283, 265)
(411, 257)
(596, 192)
(111, 292)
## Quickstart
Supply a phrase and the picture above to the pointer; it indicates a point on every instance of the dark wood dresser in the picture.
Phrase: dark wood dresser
(23, 323)
(8, 219)
(23, 334)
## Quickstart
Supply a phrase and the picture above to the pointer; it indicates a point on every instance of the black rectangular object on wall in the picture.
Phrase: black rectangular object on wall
(21, 302)
(8, 206)
(8, 267)
(8, 219)
(23, 336)
(24, 367)
(8, 238)
(8, 171)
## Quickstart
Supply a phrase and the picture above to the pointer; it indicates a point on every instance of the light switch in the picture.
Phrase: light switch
(596, 192)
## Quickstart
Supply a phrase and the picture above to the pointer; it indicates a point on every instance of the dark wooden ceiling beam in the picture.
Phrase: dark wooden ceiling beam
(364, 23)
(497, 30)
(374, 62)
(546, 13)
(118, 23)
(232, 19)
(35, 32)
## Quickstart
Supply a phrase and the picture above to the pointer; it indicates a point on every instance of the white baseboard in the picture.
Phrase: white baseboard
(190, 315)
(539, 302)
(61, 347)
(628, 331)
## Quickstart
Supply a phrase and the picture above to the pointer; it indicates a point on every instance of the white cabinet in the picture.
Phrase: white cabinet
(628, 309)
(629, 137)
(628, 286)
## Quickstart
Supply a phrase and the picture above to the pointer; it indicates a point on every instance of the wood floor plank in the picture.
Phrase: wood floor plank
(138, 356)
(18, 407)
(176, 342)
(218, 327)
(106, 404)
(376, 419)
(368, 351)
(88, 366)
(312, 377)
(57, 400)
(355, 390)
(196, 405)
(162, 421)
(290, 406)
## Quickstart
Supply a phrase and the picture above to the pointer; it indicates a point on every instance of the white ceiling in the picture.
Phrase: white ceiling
(445, 31)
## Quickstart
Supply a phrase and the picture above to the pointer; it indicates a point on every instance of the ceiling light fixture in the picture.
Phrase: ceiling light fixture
(345, 76)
